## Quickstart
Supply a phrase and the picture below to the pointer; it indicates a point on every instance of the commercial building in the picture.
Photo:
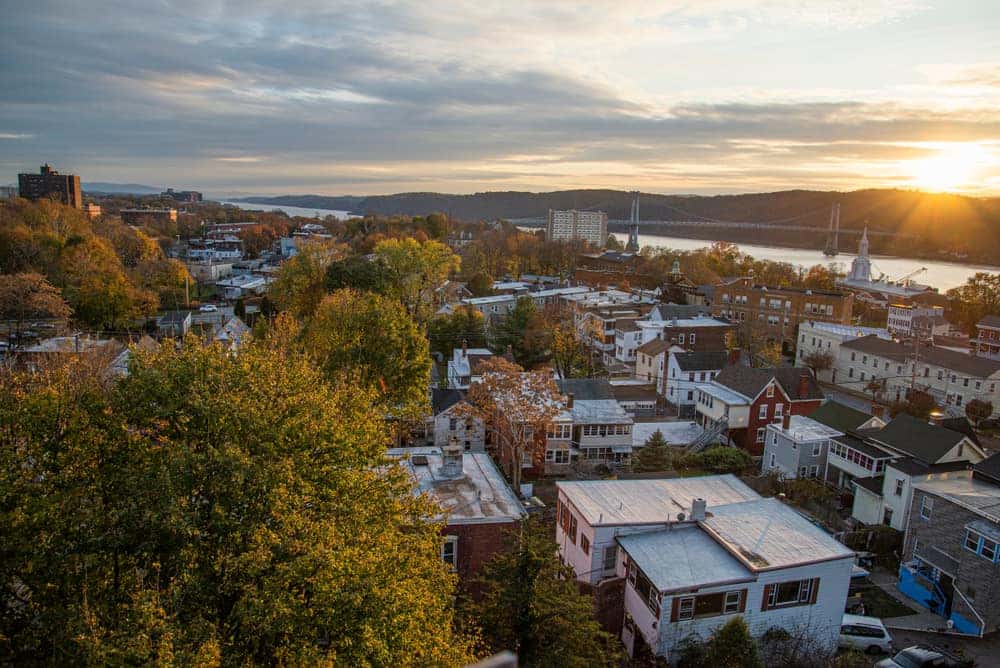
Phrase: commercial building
(572, 225)
(774, 313)
(50, 184)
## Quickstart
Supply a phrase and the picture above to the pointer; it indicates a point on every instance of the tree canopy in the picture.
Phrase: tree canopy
(213, 509)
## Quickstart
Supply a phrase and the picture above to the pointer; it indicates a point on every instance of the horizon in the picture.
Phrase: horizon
(708, 98)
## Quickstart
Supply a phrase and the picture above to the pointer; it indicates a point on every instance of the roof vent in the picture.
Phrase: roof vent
(698, 510)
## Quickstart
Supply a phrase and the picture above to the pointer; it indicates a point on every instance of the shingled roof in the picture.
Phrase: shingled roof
(701, 361)
(840, 417)
(917, 438)
(749, 382)
(586, 389)
(653, 347)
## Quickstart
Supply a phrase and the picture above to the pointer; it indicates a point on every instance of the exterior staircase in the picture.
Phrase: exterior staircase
(708, 437)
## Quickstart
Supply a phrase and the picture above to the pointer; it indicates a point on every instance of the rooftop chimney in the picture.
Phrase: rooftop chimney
(878, 410)
(698, 510)
(786, 421)
(569, 400)
(451, 459)
(803, 386)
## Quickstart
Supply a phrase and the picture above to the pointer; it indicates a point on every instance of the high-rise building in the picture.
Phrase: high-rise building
(590, 226)
(50, 184)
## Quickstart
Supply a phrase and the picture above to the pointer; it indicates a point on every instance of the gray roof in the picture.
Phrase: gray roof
(990, 321)
(617, 502)
(989, 467)
(873, 485)
(952, 360)
(174, 317)
(840, 417)
(913, 467)
(634, 392)
(917, 438)
(653, 347)
(970, 493)
(863, 446)
(586, 389)
(749, 382)
(766, 534)
(683, 558)
(443, 399)
(706, 361)
(789, 378)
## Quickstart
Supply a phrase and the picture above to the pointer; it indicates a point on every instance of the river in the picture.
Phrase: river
(941, 275)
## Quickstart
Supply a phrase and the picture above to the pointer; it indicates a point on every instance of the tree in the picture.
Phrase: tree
(918, 404)
(447, 332)
(517, 406)
(979, 296)
(818, 361)
(240, 309)
(299, 285)
(357, 272)
(731, 645)
(874, 387)
(371, 338)
(29, 296)
(613, 243)
(978, 410)
(769, 355)
(570, 354)
(721, 459)
(654, 455)
(531, 605)
(480, 285)
(213, 509)
(414, 270)
(524, 332)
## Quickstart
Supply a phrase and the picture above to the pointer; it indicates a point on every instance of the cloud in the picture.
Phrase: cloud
(16, 135)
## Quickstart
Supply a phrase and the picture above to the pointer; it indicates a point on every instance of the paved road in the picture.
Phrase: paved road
(213, 318)
(984, 651)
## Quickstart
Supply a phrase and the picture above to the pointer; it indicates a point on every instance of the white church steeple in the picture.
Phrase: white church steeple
(861, 267)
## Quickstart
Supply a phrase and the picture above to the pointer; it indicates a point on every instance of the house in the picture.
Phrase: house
(797, 447)
(741, 401)
(232, 334)
(700, 333)
(825, 338)
(686, 370)
(951, 560)
(452, 420)
(479, 508)
(952, 378)
(987, 341)
(119, 366)
(905, 452)
(651, 361)
(60, 349)
(235, 287)
(679, 433)
(600, 430)
(463, 367)
(637, 398)
(174, 324)
(758, 559)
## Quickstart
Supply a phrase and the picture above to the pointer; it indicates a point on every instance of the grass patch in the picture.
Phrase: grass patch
(880, 604)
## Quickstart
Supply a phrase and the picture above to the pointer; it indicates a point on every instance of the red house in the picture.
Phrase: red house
(740, 402)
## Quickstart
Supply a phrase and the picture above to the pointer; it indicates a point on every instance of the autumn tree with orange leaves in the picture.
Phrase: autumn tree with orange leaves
(517, 406)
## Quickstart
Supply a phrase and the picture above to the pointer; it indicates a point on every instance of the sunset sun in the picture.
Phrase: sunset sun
(953, 167)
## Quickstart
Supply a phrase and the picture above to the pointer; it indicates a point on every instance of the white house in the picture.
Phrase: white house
(450, 421)
(685, 372)
(916, 320)
(826, 337)
(758, 559)
(600, 429)
(463, 367)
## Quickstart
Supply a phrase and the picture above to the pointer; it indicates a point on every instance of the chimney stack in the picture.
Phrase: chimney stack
(878, 410)
(803, 386)
(569, 400)
(786, 421)
(451, 459)
(698, 510)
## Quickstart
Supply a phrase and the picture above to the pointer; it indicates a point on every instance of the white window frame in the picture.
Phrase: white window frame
(731, 603)
(452, 542)
(926, 507)
(685, 609)
(762, 412)
(760, 434)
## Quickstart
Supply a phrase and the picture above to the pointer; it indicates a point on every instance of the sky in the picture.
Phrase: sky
(699, 96)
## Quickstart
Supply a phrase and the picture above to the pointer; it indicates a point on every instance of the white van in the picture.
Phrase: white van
(864, 633)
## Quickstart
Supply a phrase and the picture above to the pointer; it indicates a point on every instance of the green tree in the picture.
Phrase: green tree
(446, 332)
(358, 272)
(731, 645)
(614, 244)
(480, 285)
(212, 509)
(414, 270)
(722, 459)
(654, 455)
(979, 296)
(525, 332)
(300, 284)
(531, 606)
(372, 338)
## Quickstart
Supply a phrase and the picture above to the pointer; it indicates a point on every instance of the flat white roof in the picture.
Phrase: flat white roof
(480, 496)
(766, 534)
(723, 394)
(802, 429)
(683, 557)
(618, 502)
(849, 330)
(675, 433)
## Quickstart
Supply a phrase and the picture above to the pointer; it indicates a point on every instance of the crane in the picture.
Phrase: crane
(907, 278)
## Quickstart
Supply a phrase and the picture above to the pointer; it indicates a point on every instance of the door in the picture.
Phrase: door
(947, 584)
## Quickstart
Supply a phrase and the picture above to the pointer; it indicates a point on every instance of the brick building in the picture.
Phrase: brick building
(775, 312)
(50, 184)
(744, 401)
(136, 216)
(478, 506)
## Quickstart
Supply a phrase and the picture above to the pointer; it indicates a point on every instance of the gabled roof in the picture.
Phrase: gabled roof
(917, 438)
(989, 468)
(705, 361)
(978, 367)
(443, 399)
(174, 317)
(745, 380)
(632, 392)
(840, 417)
(789, 377)
(653, 347)
(586, 389)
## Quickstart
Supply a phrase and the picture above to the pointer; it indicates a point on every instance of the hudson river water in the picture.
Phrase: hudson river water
(941, 275)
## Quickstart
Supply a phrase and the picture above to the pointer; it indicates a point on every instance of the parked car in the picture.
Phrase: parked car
(919, 656)
(866, 634)
(208, 308)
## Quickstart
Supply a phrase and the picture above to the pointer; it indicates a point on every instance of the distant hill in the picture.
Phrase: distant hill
(931, 225)
(121, 188)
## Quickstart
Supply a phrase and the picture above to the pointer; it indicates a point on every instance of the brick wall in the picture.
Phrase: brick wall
(477, 543)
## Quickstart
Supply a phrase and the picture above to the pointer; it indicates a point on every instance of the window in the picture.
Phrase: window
(610, 556)
(926, 507)
(899, 487)
(686, 608)
(774, 438)
(785, 594)
(779, 409)
(770, 391)
(816, 449)
(649, 594)
(760, 435)
(452, 423)
(449, 551)
(584, 544)
(803, 471)
(680, 338)
(887, 517)
(772, 460)
(691, 339)
(981, 545)
(813, 471)
(763, 412)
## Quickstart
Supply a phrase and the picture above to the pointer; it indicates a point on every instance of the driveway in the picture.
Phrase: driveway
(984, 651)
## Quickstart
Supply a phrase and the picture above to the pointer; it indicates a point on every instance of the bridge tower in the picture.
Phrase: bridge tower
(833, 236)
(633, 225)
